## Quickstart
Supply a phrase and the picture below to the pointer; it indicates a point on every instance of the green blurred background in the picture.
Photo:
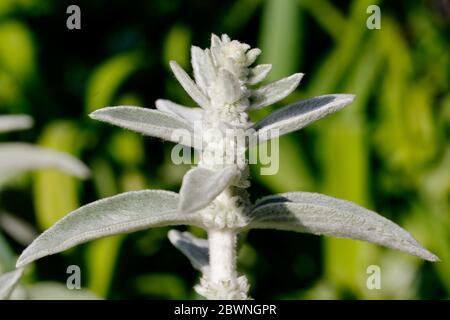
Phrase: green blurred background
(388, 151)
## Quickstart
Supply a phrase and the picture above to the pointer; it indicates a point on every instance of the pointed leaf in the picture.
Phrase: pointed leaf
(225, 38)
(126, 212)
(18, 157)
(252, 54)
(259, 73)
(149, 122)
(189, 85)
(298, 115)
(8, 282)
(274, 92)
(203, 67)
(215, 41)
(15, 122)
(195, 249)
(187, 113)
(323, 215)
(201, 186)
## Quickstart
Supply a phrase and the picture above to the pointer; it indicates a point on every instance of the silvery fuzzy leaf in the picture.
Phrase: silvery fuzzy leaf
(148, 122)
(298, 115)
(204, 71)
(216, 55)
(225, 38)
(15, 122)
(274, 92)
(195, 249)
(8, 282)
(189, 85)
(215, 41)
(187, 113)
(252, 54)
(17, 157)
(226, 90)
(323, 215)
(230, 65)
(258, 73)
(201, 186)
(123, 213)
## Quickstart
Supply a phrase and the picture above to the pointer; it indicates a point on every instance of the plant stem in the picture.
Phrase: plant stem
(222, 255)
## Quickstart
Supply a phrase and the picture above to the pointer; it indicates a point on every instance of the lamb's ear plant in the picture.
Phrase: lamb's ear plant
(213, 194)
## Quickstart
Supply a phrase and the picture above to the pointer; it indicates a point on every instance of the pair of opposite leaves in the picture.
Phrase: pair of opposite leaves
(296, 211)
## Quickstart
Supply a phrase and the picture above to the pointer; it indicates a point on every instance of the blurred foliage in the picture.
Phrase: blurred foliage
(388, 151)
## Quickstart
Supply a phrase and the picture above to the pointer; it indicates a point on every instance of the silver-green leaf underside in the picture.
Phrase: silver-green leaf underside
(300, 114)
(201, 186)
(323, 215)
(274, 92)
(148, 122)
(126, 212)
(18, 157)
(8, 282)
(195, 249)
(15, 122)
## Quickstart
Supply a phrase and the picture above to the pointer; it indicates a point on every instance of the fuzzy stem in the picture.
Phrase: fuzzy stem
(222, 255)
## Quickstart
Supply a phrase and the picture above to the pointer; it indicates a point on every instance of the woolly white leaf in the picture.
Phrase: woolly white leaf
(17, 157)
(203, 67)
(189, 85)
(126, 212)
(201, 186)
(259, 73)
(149, 122)
(252, 54)
(225, 38)
(215, 41)
(298, 115)
(195, 249)
(274, 91)
(8, 282)
(15, 122)
(187, 113)
(320, 214)
(226, 90)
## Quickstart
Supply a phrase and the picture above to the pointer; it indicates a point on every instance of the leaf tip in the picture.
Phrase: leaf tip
(97, 114)
(174, 236)
(429, 256)
(23, 260)
(348, 97)
(174, 65)
(297, 77)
